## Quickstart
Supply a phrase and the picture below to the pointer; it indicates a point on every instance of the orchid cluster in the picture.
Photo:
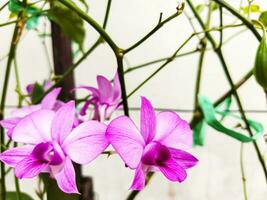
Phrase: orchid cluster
(53, 138)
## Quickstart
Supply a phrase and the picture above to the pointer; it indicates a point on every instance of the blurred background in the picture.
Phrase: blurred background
(218, 175)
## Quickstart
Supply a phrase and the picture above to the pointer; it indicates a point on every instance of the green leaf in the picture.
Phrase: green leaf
(15, 6)
(13, 196)
(210, 118)
(37, 92)
(263, 18)
(252, 8)
(70, 23)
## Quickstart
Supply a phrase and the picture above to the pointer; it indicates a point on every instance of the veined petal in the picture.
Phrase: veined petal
(126, 140)
(86, 142)
(147, 120)
(63, 122)
(50, 99)
(24, 111)
(183, 158)
(10, 124)
(173, 171)
(34, 128)
(66, 178)
(29, 167)
(105, 89)
(139, 179)
(172, 131)
(13, 156)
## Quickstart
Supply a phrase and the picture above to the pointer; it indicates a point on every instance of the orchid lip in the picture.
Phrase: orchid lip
(49, 152)
(155, 154)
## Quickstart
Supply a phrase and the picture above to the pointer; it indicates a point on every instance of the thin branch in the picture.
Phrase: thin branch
(219, 53)
(244, 180)
(156, 28)
(92, 22)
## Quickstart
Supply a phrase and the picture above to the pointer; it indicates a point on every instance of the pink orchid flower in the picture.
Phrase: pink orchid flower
(105, 98)
(49, 102)
(52, 144)
(158, 146)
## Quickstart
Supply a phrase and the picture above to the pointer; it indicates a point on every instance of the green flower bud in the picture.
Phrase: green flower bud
(260, 67)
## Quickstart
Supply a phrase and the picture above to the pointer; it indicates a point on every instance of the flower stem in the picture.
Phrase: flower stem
(15, 38)
(156, 28)
(218, 51)
(243, 172)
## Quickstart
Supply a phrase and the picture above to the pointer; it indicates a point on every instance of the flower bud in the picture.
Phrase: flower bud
(260, 67)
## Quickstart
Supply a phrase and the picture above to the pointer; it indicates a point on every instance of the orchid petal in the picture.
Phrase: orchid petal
(105, 89)
(139, 179)
(172, 131)
(173, 171)
(183, 158)
(13, 156)
(50, 99)
(86, 142)
(63, 122)
(147, 120)
(29, 167)
(34, 128)
(116, 88)
(66, 178)
(26, 110)
(126, 140)
(10, 124)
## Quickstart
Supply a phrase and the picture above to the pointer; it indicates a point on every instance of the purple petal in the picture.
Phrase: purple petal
(10, 124)
(116, 88)
(63, 122)
(126, 140)
(29, 167)
(34, 128)
(148, 120)
(105, 89)
(47, 84)
(85, 107)
(66, 178)
(50, 99)
(26, 110)
(139, 179)
(86, 142)
(29, 88)
(173, 171)
(13, 156)
(172, 131)
(182, 158)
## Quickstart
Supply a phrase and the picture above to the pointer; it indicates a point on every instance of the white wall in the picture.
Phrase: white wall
(217, 176)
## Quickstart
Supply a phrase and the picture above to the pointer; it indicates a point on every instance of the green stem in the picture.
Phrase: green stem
(243, 172)
(85, 55)
(15, 38)
(170, 59)
(156, 28)
(122, 84)
(232, 10)
(219, 53)
(8, 23)
(92, 22)
(131, 69)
